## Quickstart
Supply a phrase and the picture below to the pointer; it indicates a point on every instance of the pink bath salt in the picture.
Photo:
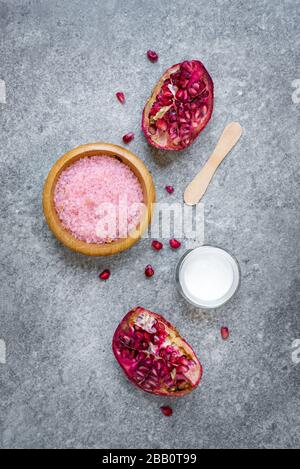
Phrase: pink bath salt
(98, 199)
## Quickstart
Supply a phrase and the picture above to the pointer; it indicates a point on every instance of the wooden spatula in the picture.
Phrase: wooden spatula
(196, 189)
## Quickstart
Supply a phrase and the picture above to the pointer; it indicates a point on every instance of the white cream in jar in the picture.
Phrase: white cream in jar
(208, 276)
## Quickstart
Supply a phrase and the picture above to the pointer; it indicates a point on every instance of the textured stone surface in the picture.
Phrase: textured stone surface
(62, 62)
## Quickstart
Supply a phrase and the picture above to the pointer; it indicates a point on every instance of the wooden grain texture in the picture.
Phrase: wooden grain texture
(128, 158)
(197, 188)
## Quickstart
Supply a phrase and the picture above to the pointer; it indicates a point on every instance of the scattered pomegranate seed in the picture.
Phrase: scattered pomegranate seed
(166, 410)
(149, 271)
(174, 243)
(157, 245)
(170, 189)
(224, 333)
(152, 56)
(128, 137)
(104, 275)
(121, 97)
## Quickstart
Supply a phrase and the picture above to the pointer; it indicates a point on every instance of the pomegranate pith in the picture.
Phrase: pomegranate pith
(154, 356)
(180, 106)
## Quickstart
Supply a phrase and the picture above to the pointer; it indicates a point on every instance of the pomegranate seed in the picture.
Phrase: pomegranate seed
(128, 137)
(161, 124)
(174, 243)
(157, 245)
(104, 275)
(152, 56)
(149, 271)
(224, 333)
(170, 189)
(166, 410)
(121, 97)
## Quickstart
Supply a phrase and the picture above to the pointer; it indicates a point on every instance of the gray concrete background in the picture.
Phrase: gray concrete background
(62, 62)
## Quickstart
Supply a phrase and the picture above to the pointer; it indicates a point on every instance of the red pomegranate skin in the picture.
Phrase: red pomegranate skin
(153, 355)
(180, 106)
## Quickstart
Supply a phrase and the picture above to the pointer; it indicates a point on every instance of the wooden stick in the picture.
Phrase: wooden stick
(196, 189)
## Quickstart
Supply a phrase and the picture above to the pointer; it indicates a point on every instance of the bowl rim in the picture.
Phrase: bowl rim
(94, 149)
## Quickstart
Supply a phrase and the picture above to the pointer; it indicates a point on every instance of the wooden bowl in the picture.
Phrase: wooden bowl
(91, 149)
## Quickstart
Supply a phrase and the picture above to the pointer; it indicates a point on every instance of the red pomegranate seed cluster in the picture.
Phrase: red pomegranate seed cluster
(149, 270)
(180, 106)
(154, 356)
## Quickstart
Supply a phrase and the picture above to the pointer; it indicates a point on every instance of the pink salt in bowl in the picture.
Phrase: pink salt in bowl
(55, 195)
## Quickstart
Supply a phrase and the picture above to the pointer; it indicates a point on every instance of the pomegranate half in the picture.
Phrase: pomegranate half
(154, 356)
(180, 106)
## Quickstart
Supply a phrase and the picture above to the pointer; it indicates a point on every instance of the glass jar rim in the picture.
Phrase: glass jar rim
(206, 305)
